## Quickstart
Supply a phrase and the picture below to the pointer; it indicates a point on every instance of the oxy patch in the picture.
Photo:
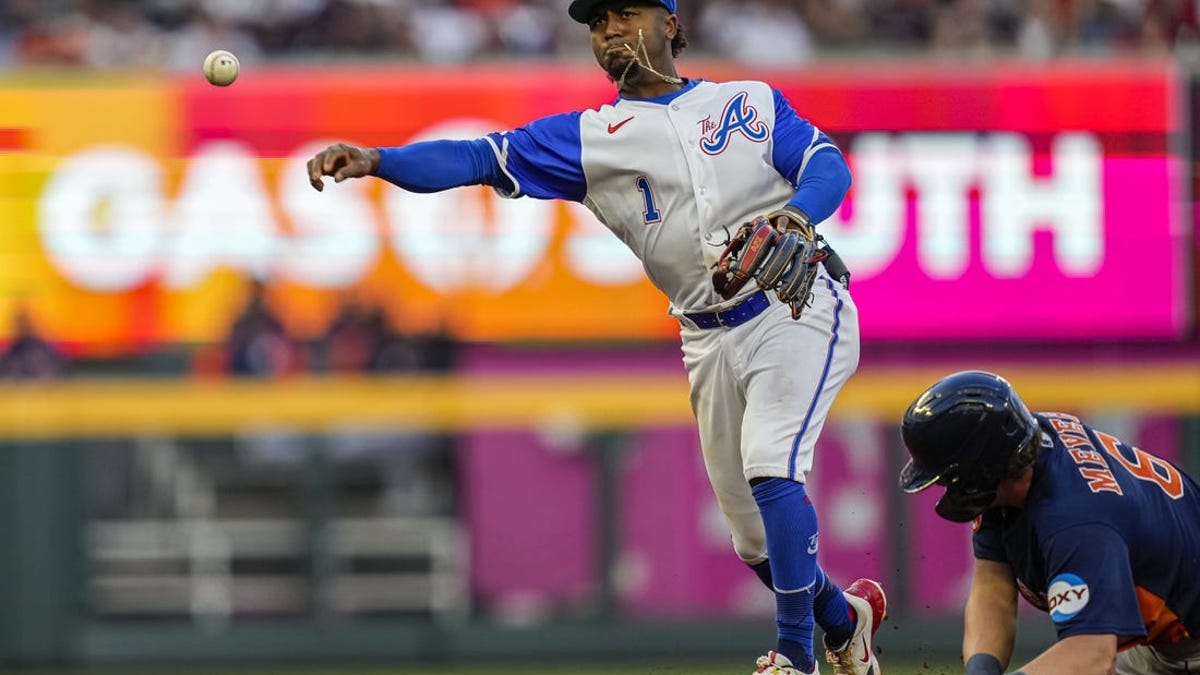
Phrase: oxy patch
(1067, 595)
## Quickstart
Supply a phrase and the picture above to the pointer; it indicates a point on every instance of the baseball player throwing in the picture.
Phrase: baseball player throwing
(716, 187)
(1102, 535)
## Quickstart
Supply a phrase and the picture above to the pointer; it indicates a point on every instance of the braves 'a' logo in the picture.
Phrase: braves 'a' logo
(738, 116)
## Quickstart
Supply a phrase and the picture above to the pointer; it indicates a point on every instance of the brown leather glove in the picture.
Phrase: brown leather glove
(780, 251)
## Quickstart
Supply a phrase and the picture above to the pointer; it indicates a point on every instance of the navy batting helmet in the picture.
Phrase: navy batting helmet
(969, 432)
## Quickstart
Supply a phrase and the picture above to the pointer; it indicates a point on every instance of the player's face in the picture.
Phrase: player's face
(615, 31)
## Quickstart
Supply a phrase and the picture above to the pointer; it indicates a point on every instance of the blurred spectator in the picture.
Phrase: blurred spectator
(28, 356)
(528, 28)
(361, 339)
(178, 33)
(202, 30)
(1041, 30)
(1168, 24)
(53, 40)
(414, 469)
(838, 23)
(17, 17)
(425, 481)
(440, 349)
(354, 27)
(905, 23)
(444, 32)
(364, 339)
(758, 32)
(118, 35)
(962, 27)
(259, 344)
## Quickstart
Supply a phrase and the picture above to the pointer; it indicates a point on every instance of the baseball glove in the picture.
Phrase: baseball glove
(780, 251)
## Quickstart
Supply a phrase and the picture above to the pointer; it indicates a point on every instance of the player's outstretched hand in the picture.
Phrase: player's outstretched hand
(341, 161)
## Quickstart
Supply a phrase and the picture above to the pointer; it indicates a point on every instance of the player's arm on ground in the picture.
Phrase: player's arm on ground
(1082, 654)
(990, 619)
(810, 161)
(1096, 605)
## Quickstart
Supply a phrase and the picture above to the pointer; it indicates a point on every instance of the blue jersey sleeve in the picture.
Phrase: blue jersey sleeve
(433, 166)
(1090, 587)
(810, 162)
(543, 158)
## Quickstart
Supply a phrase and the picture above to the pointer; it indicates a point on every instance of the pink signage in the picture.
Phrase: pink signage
(990, 201)
(1097, 261)
(536, 494)
(537, 522)
(1010, 205)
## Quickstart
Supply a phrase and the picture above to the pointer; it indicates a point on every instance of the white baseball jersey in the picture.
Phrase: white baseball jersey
(673, 177)
(670, 176)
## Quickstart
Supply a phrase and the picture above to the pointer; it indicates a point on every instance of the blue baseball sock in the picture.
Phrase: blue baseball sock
(832, 611)
(790, 522)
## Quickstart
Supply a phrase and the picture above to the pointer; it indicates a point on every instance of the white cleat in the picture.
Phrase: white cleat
(775, 663)
(857, 657)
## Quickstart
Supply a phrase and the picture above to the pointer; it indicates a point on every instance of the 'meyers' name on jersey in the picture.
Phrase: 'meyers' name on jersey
(1090, 463)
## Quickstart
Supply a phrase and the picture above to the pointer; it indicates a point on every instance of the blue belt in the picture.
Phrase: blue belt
(737, 315)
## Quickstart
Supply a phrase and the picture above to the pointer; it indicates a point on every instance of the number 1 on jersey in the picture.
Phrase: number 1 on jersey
(651, 213)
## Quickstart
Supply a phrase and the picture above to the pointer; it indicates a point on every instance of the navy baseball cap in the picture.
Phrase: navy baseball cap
(580, 10)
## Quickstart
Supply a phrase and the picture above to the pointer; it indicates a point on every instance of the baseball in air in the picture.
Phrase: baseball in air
(221, 68)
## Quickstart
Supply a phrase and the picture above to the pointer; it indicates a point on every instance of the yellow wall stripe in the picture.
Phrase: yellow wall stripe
(92, 407)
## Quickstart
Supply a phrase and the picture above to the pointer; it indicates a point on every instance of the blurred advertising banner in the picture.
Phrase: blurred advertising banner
(989, 202)
(670, 552)
(673, 552)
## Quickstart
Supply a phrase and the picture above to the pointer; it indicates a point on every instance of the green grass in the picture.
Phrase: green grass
(906, 668)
